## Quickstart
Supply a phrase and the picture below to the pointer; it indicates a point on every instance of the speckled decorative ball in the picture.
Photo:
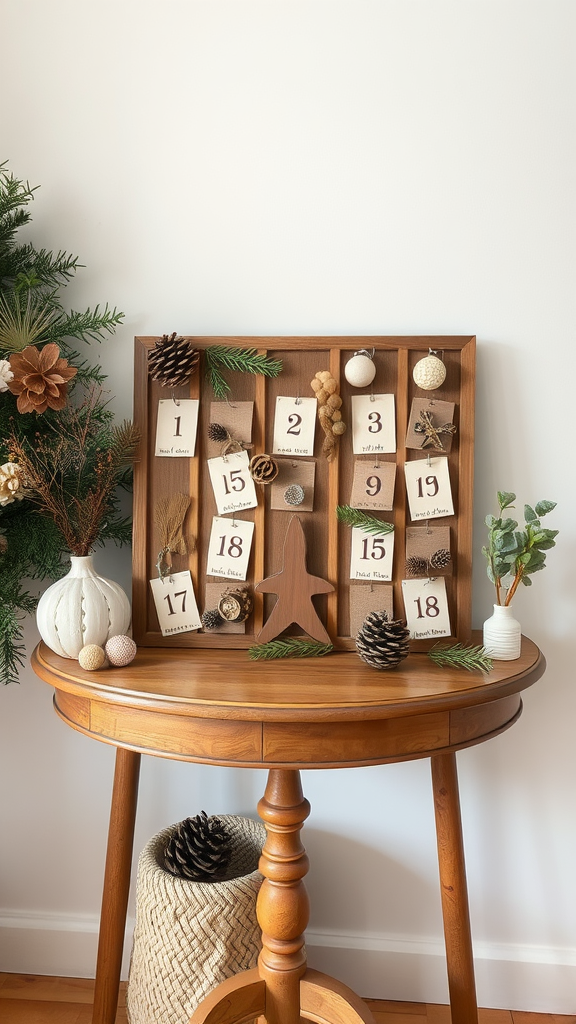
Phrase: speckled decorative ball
(429, 373)
(91, 657)
(121, 650)
(360, 370)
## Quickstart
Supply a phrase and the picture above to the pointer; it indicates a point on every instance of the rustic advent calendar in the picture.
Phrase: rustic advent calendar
(257, 510)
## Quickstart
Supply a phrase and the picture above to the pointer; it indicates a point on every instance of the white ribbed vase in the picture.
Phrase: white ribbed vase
(81, 608)
(502, 634)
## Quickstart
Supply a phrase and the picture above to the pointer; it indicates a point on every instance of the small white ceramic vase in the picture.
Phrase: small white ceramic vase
(81, 608)
(502, 634)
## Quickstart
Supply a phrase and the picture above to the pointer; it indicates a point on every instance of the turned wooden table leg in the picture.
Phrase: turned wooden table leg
(116, 886)
(282, 906)
(454, 891)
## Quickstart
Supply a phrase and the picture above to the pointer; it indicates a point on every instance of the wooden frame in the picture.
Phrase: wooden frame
(328, 541)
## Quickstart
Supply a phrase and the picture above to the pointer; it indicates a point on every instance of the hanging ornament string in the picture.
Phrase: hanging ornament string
(169, 515)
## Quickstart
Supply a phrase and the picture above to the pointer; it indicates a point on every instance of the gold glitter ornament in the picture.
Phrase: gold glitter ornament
(91, 657)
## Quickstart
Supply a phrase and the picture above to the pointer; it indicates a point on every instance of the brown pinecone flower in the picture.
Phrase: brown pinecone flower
(40, 378)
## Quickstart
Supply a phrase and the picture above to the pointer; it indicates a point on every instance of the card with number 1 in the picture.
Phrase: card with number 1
(176, 427)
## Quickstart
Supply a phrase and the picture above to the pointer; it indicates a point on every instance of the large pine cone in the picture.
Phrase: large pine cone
(382, 644)
(172, 361)
(199, 849)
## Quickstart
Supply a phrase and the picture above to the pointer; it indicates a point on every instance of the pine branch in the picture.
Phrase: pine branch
(88, 325)
(364, 521)
(243, 360)
(289, 647)
(461, 656)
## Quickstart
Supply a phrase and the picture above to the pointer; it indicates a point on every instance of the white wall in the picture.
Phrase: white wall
(305, 166)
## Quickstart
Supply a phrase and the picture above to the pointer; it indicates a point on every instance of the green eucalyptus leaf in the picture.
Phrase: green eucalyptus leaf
(526, 581)
(508, 525)
(544, 507)
(490, 520)
(529, 514)
(524, 559)
(545, 545)
(505, 499)
(490, 574)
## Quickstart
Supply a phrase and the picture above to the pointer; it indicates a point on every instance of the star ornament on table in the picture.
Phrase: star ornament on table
(295, 588)
(432, 438)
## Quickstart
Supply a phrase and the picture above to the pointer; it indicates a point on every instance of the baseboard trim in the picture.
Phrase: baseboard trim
(519, 977)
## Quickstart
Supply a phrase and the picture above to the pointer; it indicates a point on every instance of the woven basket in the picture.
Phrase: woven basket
(190, 936)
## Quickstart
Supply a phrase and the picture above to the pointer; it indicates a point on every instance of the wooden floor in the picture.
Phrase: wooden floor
(36, 999)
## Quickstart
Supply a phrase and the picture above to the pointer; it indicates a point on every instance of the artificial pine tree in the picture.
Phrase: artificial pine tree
(32, 313)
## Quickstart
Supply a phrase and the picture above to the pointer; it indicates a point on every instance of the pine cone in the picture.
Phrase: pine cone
(40, 378)
(263, 469)
(216, 432)
(382, 644)
(199, 849)
(416, 566)
(440, 559)
(211, 618)
(172, 361)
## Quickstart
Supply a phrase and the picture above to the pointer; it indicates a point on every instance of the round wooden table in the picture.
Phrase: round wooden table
(217, 707)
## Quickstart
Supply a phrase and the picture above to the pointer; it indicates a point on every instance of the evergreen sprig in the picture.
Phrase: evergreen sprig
(243, 360)
(32, 312)
(289, 647)
(512, 554)
(465, 656)
(363, 520)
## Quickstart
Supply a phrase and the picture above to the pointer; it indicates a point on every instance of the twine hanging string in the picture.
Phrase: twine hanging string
(169, 515)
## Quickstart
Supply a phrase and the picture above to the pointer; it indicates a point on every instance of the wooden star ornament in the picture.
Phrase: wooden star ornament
(295, 588)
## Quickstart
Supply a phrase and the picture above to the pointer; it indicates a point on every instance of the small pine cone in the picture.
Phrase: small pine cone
(216, 432)
(440, 559)
(416, 566)
(263, 468)
(382, 644)
(199, 849)
(211, 618)
(172, 361)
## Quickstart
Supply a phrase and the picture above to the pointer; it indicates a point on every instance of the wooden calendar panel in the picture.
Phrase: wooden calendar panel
(328, 541)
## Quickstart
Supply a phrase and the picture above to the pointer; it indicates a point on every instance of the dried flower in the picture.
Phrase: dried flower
(12, 483)
(6, 374)
(72, 470)
(40, 378)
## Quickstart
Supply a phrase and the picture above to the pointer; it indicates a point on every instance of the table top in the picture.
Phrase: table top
(219, 707)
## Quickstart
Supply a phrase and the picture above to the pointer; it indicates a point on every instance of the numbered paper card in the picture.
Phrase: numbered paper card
(426, 608)
(232, 484)
(175, 603)
(229, 548)
(371, 555)
(294, 426)
(176, 427)
(373, 424)
(373, 485)
(428, 487)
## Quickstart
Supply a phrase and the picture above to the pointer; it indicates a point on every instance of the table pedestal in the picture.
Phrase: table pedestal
(281, 988)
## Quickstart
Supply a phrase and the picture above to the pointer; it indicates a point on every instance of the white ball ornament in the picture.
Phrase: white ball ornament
(429, 373)
(120, 650)
(360, 369)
